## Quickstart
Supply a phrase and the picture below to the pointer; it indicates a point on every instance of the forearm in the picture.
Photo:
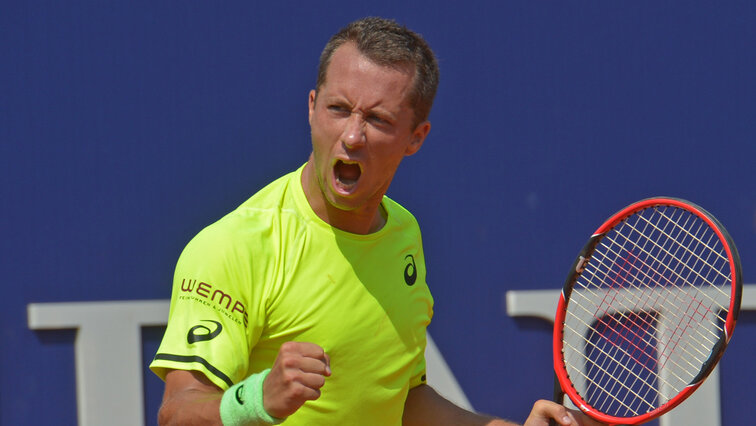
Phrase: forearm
(426, 407)
(191, 407)
(190, 399)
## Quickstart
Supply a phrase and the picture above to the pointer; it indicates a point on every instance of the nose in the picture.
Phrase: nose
(354, 132)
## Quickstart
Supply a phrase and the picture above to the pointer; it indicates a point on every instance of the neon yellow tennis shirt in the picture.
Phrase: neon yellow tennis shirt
(271, 271)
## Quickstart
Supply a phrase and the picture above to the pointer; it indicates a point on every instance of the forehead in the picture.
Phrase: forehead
(351, 72)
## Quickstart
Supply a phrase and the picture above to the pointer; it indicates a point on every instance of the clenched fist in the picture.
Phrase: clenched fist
(297, 375)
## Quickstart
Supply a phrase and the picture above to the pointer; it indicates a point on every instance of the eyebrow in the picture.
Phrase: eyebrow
(377, 111)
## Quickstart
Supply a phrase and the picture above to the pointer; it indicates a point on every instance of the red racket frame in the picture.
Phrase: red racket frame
(735, 295)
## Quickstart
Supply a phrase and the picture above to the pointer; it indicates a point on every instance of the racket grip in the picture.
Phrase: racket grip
(558, 397)
(558, 394)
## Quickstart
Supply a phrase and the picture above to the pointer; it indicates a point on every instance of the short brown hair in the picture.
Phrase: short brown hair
(387, 43)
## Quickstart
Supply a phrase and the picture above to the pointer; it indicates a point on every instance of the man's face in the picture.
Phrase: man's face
(361, 126)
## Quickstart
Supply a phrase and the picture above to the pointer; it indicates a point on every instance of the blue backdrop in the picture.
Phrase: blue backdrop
(126, 127)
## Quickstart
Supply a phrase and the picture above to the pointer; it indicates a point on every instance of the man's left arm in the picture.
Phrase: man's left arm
(424, 406)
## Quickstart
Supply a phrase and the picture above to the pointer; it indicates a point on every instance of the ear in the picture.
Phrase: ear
(418, 137)
(311, 105)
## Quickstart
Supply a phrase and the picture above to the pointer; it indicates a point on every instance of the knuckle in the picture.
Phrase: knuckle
(307, 394)
(290, 377)
(288, 347)
(289, 362)
(299, 393)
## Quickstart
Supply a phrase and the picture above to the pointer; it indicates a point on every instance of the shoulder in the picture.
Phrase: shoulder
(399, 215)
(246, 228)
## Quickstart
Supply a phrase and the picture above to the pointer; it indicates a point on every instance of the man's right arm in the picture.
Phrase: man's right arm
(298, 373)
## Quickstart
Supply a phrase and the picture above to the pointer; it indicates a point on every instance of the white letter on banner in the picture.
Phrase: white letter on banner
(108, 351)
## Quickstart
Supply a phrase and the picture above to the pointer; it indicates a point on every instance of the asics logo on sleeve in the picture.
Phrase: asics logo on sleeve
(410, 271)
(193, 336)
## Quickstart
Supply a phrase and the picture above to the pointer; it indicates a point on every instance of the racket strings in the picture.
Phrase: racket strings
(695, 236)
(634, 355)
(663, 263)
(646, 311)
(681, 260)
(627, 329)
(692, 298)
(688, 315)
(594, 366)
(634, 306)
(660, 299)
(692, 268)
(629, 388)
(621, 354)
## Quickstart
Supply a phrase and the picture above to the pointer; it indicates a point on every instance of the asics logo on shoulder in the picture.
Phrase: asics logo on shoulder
(410, 271)
(193, 336)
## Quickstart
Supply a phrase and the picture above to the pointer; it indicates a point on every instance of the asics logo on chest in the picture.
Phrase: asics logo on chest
(410, 271)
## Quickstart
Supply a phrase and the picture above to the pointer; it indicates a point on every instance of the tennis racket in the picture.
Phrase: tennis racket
(647, 310)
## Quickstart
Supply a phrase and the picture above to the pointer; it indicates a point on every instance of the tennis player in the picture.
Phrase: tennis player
(308, 303)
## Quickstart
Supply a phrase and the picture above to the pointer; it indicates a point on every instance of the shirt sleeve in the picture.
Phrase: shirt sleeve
(419, 373)
(209, 328)
(418, 376)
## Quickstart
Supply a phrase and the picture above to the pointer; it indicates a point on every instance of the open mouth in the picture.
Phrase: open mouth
(346, 173)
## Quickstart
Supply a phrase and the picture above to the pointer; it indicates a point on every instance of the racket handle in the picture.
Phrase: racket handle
(558, 394)
(558, 397)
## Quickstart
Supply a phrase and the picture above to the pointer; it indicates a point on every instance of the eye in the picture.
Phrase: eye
(377, 120)
(338, 109)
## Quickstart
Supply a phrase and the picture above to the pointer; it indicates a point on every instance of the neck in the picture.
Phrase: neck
(366, 219)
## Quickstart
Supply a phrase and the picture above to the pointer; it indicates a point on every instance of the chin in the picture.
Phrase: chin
(342, 203)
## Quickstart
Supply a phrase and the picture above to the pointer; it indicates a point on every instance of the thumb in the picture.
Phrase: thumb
(544, 410)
